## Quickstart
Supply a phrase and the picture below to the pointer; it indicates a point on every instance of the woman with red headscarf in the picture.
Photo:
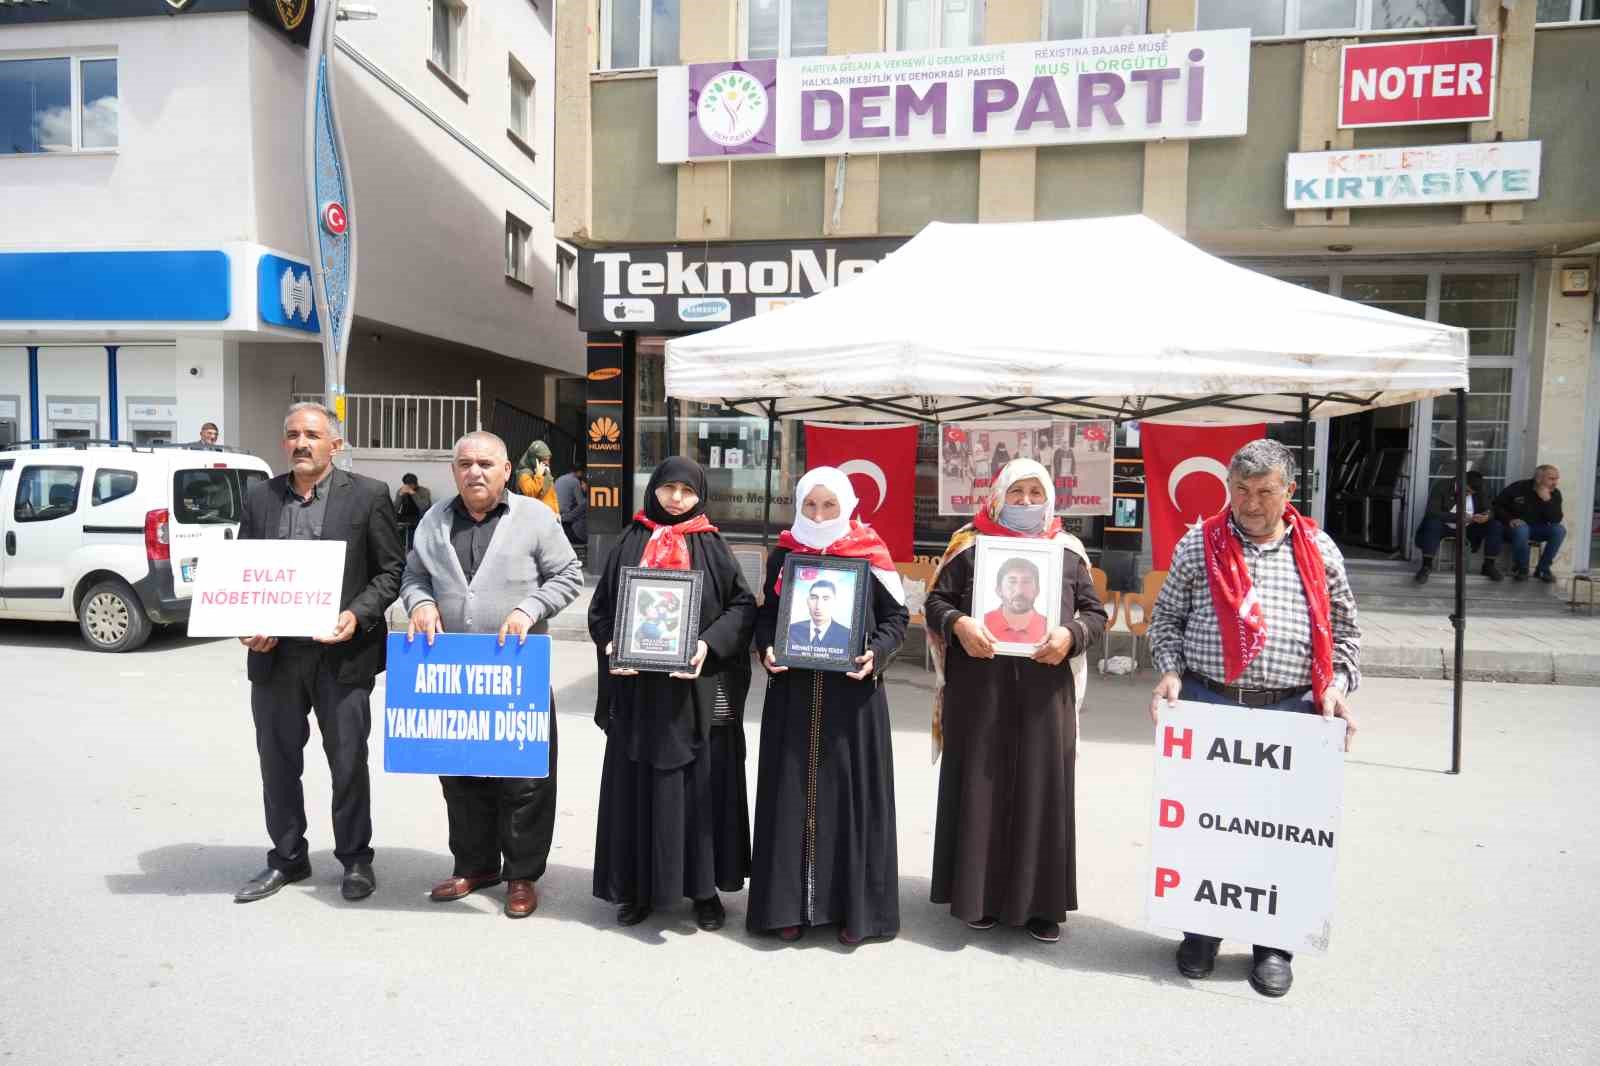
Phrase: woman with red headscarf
(1003, 848)
(673, 817)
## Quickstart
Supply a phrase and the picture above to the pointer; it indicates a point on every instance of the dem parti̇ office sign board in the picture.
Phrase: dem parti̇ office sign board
(1140, 88)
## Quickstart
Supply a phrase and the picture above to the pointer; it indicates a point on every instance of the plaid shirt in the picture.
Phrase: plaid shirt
(1184, 633)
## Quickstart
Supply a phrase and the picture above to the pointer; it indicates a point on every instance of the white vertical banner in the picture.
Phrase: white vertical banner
(1245, 824)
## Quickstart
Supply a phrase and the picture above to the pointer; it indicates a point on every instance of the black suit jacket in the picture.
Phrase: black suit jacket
(836, 637)
(360, 513)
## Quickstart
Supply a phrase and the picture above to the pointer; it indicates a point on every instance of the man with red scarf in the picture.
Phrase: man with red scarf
(1256, 611)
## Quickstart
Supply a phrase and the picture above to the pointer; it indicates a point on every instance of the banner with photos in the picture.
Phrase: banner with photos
(1077, 453)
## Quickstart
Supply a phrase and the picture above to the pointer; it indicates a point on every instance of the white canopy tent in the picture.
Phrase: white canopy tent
(1099, 318)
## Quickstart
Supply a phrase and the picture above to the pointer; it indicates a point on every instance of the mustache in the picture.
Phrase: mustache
(302, 453)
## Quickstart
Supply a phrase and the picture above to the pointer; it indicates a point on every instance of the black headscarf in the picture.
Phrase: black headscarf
(675, 468)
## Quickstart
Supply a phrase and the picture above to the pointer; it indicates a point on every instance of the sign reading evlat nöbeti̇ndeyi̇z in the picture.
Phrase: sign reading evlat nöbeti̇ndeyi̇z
(467, 705)
(1432, 174)
(1245, 824)
(1147, 87)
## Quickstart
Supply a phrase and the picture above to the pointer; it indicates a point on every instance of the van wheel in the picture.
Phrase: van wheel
(111, 618)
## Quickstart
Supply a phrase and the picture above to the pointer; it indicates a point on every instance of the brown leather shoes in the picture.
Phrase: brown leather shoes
(522, 899)
(454, 888)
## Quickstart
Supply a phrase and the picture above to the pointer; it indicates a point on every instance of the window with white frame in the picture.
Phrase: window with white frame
(1068, 19)
(519, 240)
(58, 104)
(1290, 18)
(1567, 11)
(639, 33)
(566, 276)
(521, 119)
(449, 51)
(779, 29)
(920, 24)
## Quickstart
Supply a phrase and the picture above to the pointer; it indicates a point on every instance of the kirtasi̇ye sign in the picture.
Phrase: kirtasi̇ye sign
(1432, 174)
(1417, 83)
(1245, 824)
(688, 287)
(1147, 87)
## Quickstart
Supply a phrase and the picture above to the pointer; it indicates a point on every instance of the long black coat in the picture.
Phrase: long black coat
(825, 848)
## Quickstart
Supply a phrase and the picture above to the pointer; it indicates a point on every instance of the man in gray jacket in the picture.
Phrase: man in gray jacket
(492, 561)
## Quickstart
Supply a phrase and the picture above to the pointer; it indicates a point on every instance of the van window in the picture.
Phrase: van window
(211, 497)
(112, 485)
(47, 492)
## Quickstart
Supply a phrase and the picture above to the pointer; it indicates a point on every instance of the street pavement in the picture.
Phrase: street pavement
(132, 811)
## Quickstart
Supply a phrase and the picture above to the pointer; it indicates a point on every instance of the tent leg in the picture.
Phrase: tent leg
(1459, 618)
(1306, 473)
(672, 426)
(772, 449)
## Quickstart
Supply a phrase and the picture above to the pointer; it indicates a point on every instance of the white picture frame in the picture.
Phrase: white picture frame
(1008, 567)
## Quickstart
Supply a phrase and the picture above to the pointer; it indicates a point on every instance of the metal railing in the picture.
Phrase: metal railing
(406, 423)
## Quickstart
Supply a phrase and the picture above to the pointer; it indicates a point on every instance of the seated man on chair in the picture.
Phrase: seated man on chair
(1443, 518)
(1531, 511)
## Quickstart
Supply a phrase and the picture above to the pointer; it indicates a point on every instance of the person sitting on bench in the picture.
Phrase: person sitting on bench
(1443, 518)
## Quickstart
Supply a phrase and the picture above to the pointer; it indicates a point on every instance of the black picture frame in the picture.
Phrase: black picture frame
(800, 571)
(666, 602)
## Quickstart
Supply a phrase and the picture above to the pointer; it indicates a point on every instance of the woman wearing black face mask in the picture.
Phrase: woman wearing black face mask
(1003, 849)
(663, 834)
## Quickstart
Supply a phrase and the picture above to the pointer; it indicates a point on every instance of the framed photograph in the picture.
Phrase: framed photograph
(1016, 591)
(658, 619)
(822, 612)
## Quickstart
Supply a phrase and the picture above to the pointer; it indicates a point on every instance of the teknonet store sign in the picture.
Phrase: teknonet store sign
(1393, 177)
(1417, 83)
(685, 287)
(1148, 87)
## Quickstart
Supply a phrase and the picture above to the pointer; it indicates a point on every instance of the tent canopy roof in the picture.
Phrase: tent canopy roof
(1111, 317)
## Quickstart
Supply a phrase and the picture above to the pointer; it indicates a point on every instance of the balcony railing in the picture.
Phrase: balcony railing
(406, 423)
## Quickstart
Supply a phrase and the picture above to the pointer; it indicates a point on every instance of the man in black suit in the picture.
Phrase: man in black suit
(332, 675)
(820, 632)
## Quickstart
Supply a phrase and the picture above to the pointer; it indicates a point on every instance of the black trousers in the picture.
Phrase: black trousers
(303, 680)
(503, 825)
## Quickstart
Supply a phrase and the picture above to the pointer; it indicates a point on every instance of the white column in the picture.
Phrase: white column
(208, 386)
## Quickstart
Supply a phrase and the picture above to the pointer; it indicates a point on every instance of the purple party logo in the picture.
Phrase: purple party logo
(734, 108)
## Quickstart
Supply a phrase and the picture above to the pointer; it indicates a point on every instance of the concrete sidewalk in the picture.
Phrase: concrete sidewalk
(1543, 646)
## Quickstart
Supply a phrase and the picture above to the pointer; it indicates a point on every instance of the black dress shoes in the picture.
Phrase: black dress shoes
(359, 881)
(632, 913)
(267, 882)
(1271, 975)
(708, 914)
(1197, 955)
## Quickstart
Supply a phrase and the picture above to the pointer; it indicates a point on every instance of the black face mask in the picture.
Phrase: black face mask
(676, 468)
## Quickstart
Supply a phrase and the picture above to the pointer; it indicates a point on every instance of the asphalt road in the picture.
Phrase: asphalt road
(131, 807)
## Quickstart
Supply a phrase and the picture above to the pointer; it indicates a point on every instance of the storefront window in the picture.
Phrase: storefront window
(1486, 304)
(1488, 428)
(1404, 294)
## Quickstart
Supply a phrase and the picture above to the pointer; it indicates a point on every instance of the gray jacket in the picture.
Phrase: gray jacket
(529, 566)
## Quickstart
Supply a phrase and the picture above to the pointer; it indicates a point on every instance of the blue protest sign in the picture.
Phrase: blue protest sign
(466, 706)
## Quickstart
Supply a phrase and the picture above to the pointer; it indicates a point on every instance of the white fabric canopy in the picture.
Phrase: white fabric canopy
(1076, 318)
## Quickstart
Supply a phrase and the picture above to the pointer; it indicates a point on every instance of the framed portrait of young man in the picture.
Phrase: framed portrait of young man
(1016, 591)
(822, 613)
(658, 619)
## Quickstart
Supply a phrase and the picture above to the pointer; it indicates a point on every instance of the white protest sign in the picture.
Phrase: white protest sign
(276, 588)
(1245, 824)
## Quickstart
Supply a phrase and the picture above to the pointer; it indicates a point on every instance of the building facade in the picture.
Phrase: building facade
(867, 169)
(154, 244)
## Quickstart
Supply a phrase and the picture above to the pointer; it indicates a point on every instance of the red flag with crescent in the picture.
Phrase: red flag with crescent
(881, 462)
(1186, 478)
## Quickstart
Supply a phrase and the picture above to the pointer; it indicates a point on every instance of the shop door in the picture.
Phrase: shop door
(1369, 472)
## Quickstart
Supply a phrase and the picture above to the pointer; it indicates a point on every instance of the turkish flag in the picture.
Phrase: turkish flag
(882, 465)
(1186, 477)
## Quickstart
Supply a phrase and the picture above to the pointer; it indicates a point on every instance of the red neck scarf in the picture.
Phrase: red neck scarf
(991, 527)
(667, 548)
(862, 542)
(1239, 614)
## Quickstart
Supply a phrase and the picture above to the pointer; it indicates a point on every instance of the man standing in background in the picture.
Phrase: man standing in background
(572, 495)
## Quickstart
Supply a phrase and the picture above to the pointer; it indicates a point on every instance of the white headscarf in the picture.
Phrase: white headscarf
(820, 535)
(1020, 470)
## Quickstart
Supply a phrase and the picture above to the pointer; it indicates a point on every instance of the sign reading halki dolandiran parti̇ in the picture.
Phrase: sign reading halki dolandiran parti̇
(1139, 88)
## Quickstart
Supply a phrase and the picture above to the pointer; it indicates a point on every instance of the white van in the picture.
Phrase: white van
(106, 534)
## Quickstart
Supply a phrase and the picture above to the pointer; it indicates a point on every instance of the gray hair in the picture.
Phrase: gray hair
(483, 438)
(312, 405)
(1543, 467)
(1260, 458)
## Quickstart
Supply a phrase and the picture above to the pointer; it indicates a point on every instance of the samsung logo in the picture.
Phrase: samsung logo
(710, 310)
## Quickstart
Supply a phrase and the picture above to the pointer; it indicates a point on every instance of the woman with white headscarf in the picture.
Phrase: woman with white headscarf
(824, 851)
(1003, 848)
